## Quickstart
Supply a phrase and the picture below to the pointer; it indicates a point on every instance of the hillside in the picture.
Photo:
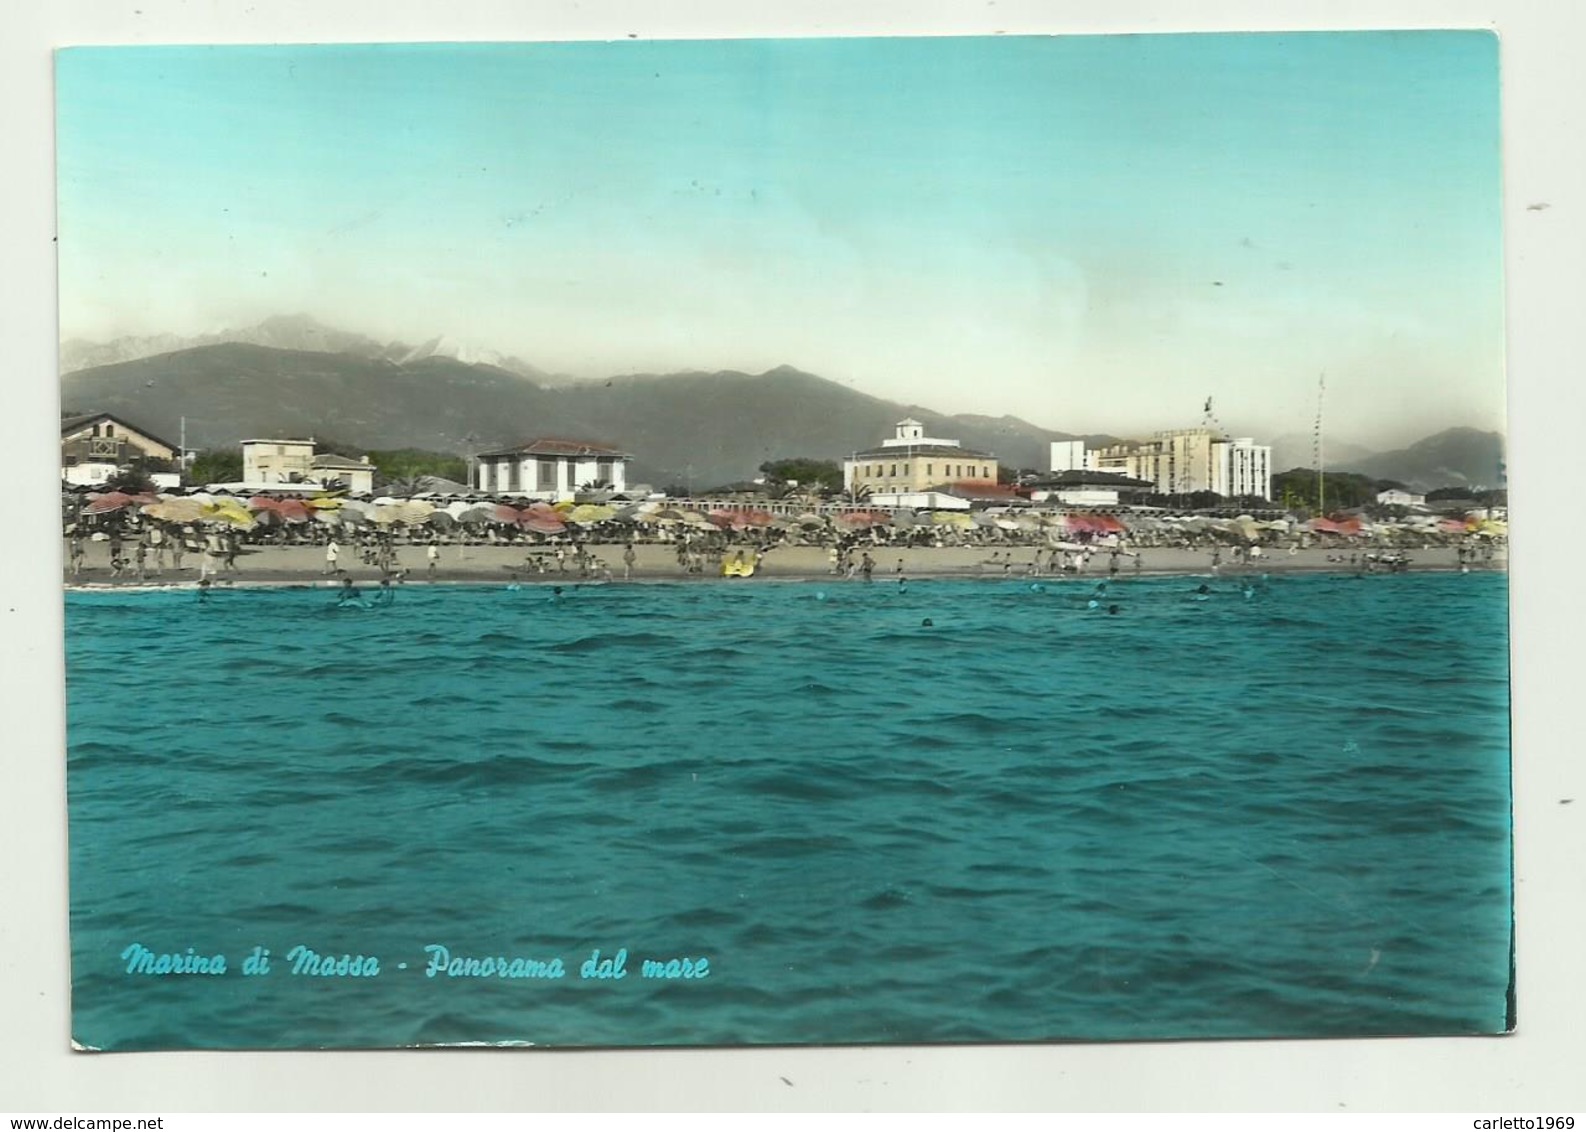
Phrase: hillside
(692, 428)
(1457, 457)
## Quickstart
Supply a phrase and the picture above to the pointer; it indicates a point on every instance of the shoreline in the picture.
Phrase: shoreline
(303, 567)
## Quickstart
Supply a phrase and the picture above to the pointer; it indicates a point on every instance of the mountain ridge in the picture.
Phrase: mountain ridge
(696, 428)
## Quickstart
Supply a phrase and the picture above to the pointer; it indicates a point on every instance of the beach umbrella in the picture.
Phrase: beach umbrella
(440, 520)
(294, 511)
(228, 512)
(544, 524)
(108, 502)
(329, 518)
(413, 511)
(175, 510)
(505, 513)
(952, 519)
(588, 514)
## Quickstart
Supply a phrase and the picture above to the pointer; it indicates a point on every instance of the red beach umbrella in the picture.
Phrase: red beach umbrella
(106, 503)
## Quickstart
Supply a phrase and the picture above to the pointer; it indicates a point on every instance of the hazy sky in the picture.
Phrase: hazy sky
(1092, 233)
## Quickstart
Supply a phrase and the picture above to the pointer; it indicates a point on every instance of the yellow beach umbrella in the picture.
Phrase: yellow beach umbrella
(228, 510)
(586, 514)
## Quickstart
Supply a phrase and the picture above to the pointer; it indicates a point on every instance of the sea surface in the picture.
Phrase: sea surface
(1282, 813)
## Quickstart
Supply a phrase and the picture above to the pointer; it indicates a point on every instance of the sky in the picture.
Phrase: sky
(1092, 233)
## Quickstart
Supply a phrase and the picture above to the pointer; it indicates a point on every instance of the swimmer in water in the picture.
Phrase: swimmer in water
(1113, 609)
(1202, 593)
(386, 594)
(349, 596)
(927, 623)
(203, 589)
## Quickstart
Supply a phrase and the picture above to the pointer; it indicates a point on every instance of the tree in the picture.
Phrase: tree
(411, 463)
(1344, 491)
(130, 478)
(808, 472)
(216, 465)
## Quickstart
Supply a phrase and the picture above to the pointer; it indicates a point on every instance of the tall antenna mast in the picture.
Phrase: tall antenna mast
(1318, 453)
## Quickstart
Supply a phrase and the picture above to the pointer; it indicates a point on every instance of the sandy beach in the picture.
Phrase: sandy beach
(305, 565)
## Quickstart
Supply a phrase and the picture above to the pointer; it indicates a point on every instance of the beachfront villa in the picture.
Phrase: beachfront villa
(331, 470)
(1178, 462)
(267, 463)
(909, 462)
(551, 469)
(94, 446)
(277, 461)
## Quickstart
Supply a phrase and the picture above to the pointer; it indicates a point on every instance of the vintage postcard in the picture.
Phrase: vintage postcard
(821, 541)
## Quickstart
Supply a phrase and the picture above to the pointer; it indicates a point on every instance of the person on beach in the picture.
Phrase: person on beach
(179, 539)
(115, 552)
(140, 555)
(75, 552)
(332, 556)
(157, 548)
(867, 566)
(233, 545)
(433, 553)
(629, 557)
(212, 554)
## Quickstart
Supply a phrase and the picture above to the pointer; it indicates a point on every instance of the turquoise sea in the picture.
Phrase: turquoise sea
(1282, 814)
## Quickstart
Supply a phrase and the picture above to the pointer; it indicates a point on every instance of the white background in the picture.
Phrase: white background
(1532, 1071)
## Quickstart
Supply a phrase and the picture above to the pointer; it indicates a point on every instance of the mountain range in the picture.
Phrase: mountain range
(298, 378)
(696, 429)
(293, 332)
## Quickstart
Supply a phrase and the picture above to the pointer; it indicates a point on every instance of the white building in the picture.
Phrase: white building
(277, 461)
(357, 476)
(95, 446)
(911, 462)
(1080, 488)
(1177, 462)
(1397, 497)
(270, 463)
(551, 469)
(1241, 467)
